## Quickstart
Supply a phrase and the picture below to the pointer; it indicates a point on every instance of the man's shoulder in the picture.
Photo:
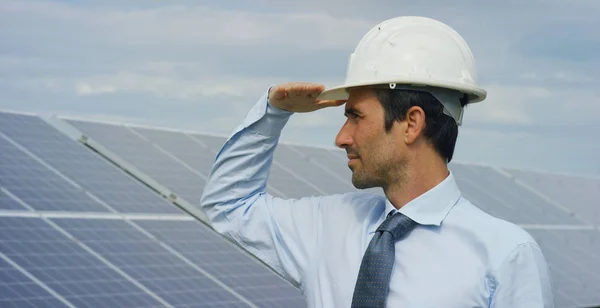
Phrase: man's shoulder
(500, 236)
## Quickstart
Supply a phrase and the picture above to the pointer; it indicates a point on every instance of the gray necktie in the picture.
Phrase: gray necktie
(372, 285)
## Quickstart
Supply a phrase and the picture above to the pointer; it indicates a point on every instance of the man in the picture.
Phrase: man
(423, 245)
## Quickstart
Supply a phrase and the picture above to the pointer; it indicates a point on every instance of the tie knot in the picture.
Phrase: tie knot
(397, 224)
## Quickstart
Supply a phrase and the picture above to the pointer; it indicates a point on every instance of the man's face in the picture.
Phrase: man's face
(375, 156)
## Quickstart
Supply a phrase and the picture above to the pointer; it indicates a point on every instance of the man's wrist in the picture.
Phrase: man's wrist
(273, 119)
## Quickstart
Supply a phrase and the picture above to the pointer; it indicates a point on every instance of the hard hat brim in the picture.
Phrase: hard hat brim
(476, 94)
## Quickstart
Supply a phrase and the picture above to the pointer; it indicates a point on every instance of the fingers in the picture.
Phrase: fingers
(277, 92)
(331, 103)
(297, 89)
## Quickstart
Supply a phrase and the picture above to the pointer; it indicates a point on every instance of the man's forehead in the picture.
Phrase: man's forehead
(361, 98)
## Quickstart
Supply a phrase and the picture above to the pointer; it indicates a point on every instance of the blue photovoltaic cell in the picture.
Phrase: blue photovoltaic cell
(81, 165)
(581, 195)
(18, 291)
(499, 196)
(193, 153)
(226, 262)
(8, 203)
(38, 186)
(146, 158)
(573, 259)
(149, 263)
(65, 267)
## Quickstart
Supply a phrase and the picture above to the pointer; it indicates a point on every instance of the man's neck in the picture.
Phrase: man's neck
(420, 176)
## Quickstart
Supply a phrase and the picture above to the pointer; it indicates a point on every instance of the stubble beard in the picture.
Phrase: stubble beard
(383, 174)
(364, 177)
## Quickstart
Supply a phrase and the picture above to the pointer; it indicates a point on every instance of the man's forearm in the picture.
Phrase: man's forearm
(241, 168)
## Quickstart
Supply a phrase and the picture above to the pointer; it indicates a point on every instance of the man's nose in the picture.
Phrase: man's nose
(343, 138)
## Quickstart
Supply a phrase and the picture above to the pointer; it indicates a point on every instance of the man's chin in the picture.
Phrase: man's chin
(361, 183)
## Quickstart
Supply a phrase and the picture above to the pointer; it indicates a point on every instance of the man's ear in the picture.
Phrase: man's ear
(415, 124)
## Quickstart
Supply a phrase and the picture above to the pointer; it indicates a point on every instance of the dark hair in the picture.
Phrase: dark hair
(441, 130)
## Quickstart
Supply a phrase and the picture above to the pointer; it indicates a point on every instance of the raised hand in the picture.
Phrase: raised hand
(300, 97)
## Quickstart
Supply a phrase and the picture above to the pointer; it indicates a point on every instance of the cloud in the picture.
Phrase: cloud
(534, 105)
(196, 25)
(201, 65)
(567, 77)
(167, 86)
(88, 89)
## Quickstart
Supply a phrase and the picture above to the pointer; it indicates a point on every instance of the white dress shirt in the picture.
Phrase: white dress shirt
(458, 255)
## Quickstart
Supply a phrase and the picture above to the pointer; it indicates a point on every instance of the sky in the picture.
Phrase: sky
(201, 66)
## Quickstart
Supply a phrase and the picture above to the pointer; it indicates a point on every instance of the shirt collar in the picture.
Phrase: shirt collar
(431, 207)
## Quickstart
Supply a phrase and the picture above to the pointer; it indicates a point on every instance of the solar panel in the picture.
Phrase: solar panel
(141, 257)
(148, 158)
(310, 170)
(214, 143)
(180, 145)
(8, 203)
(572, 255)
(18, 290)
(225, 262)
(39, 186)
(96, 175)
(503, 198)
(282, 177)
(152, 256)
(579, 194)
(332, 161)
(65, 267)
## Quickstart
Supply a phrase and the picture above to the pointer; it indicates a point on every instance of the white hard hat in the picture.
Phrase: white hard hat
(418, 52)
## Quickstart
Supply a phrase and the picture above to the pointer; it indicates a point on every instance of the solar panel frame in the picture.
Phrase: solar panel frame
(150, 159)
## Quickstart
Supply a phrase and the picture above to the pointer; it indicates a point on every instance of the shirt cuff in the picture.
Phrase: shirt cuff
(267, 119)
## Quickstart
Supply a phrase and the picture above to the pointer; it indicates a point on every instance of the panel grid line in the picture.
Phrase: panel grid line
(108, 263)
(324, 168)
(92, 215)
(37, 281)
(143, 177)
(166, 152)
(99, 257)
(39, 160)
(541, 195)
(190, 263)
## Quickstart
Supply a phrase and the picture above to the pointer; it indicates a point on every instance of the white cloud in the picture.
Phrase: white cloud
(198, 25)
(503, 105)
(170, 86)
(202, 66)
(568, 77)
(88, 89)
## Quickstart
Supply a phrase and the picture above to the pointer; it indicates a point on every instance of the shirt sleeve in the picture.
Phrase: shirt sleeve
(523, 280)
(283, 233)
